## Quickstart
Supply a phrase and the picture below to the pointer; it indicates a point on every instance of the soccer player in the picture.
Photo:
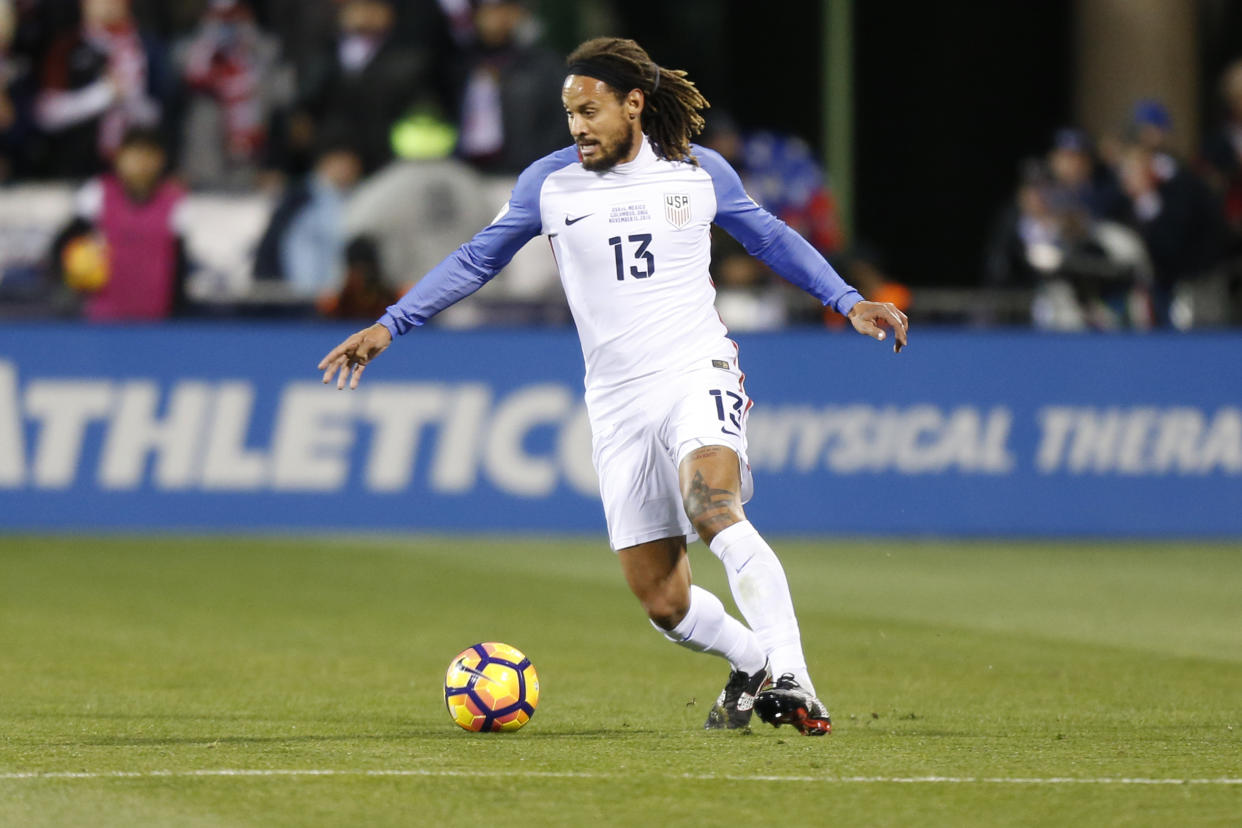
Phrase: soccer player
(627, 209)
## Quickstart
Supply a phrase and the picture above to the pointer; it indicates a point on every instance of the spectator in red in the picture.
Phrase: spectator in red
(98, 80)
(227, 62)
(136, 212)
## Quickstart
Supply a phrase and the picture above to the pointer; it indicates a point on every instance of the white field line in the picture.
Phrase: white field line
(696, 777)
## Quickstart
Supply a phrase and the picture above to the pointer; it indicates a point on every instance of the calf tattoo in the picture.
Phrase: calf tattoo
(709, 509)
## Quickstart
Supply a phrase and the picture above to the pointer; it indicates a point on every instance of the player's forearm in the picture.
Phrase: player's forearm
(466, 270)
(452, 280)
(793, 257)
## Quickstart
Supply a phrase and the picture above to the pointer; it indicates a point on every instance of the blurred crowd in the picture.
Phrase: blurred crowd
(298, 102)
(1119, 231)
(339, 148)
(241, 90)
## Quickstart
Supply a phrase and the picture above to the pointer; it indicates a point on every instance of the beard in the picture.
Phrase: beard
(608, 157)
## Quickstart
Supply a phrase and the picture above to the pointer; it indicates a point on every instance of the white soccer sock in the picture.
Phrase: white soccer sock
(761, 592)
(707, 628)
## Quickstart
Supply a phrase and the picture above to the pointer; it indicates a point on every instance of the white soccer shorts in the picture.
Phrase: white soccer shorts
(640, 435)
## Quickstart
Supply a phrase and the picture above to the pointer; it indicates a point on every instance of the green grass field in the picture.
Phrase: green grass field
(971, 683)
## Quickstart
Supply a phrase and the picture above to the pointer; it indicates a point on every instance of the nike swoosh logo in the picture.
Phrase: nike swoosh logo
(569, 221)
(461, 665)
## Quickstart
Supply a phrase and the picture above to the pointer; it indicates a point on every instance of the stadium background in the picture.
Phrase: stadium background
(1113, 429)
(228, 594)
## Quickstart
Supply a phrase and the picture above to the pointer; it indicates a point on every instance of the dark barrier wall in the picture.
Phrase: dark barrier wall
(228, 427)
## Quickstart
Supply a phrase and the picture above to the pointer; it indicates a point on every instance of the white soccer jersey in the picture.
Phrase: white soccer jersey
(632, 246)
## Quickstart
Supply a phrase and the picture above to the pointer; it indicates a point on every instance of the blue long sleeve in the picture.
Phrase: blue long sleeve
(771, 240)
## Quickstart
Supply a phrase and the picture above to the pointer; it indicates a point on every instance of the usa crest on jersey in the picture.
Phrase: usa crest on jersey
(677, 209)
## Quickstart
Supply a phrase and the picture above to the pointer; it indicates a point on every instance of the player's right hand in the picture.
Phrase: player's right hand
(350, 357)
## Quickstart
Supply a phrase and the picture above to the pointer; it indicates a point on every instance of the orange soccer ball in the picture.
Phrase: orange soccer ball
(491, 687)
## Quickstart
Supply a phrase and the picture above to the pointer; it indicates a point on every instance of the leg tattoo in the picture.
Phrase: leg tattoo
(709, 509)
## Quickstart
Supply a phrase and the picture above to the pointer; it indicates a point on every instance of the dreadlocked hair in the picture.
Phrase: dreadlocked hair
(671, 115)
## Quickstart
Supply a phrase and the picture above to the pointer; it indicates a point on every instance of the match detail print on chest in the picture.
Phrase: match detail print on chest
(675, 208)
(628, 211)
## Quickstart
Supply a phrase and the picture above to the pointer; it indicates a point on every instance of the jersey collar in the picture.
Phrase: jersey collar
(645, 158)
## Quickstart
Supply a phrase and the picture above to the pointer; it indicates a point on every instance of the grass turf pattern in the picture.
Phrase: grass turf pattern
(293, 681)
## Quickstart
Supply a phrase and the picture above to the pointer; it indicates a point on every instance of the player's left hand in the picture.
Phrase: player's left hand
(350, 358)
(870, 318)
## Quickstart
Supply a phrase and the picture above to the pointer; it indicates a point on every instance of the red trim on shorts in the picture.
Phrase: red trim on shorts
(741, 383)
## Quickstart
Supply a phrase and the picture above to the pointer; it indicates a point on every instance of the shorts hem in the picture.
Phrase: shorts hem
(691, 443)
(618, 544)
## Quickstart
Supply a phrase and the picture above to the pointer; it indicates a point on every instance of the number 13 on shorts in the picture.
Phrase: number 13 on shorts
(729, 409)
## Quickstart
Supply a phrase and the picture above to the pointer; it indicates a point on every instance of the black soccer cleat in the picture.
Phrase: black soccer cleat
(785, 702)
(737, 700)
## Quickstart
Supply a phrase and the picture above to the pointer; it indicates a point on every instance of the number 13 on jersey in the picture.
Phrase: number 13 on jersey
(639, 254)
